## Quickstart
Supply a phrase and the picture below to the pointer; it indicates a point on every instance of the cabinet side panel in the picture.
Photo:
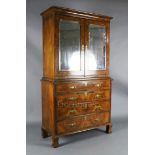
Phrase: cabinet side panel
(110, 98)
(48, 46)
(47, 107)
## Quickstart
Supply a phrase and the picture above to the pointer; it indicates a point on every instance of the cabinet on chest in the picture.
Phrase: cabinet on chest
(76, 87)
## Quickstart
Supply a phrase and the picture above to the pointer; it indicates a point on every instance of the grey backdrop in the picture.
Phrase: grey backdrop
(95, 141)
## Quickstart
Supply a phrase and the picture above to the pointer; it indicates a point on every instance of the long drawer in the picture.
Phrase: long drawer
(83, 96)
(82, 122)
(66, 110)
(83, 85)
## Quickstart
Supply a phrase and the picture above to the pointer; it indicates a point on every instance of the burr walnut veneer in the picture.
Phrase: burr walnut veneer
(76, 87)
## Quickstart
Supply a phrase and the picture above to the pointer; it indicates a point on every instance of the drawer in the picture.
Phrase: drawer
(100, 95)
(83, 96)
(70, 87)
(99, 84)
(82, 122)
(75, 109)
(71, 109)
(100, 106)
(83, 85)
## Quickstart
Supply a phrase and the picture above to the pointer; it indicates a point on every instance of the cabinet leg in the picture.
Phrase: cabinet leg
(55, 142)
(109, 128)
(44, 133)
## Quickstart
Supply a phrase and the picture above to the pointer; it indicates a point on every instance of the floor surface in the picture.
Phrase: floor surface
(93, 142)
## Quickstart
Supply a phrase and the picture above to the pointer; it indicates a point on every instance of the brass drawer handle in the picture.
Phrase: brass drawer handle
(98, 85)
(98, 107)
(85, 106)
(72, 124)
(98, 96)
(72, 87)
(85, 117)
(72, 98)
(85, 93)
(86, 84)
(82, 47)
(72, 111)
(62, 104)
(97, 119)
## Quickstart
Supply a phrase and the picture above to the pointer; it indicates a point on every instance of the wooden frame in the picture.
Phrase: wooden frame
(106, 25)
(59, 73)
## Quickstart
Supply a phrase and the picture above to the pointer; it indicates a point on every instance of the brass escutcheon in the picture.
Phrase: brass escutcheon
(97, 119)
(72, 98)
(99, 96)
(72, 87)
(98, 107)
(72, 124)
(98, 85)
(73, 111)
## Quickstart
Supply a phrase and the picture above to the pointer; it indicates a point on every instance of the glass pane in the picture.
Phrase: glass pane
(69, 45)
(97, 48)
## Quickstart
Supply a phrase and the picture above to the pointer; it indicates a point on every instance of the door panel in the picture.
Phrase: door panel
(97, 48)
(96, 59)
(69, 45)
(69, 52)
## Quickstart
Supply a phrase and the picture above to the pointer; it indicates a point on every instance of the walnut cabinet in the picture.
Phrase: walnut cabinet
(76, 86)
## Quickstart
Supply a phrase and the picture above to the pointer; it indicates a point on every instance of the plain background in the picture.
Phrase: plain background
(95, 141)
(13, 86)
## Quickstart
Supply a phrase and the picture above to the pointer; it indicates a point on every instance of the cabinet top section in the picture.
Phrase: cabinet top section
(67, 11)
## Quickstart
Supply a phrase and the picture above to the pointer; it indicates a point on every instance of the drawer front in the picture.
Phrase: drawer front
(82, 122)
(83, 85)
(83, 97)
(101, 95)
(70, 87)
(99, 85)
(71, 109)
(100, 106)
(74, 109)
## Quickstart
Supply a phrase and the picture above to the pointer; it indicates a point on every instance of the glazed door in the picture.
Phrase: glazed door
(69, 49)
(97, 48)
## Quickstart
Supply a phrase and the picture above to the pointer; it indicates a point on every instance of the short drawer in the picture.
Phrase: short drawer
(70, 87)
(99, 85)
(66, 110)
(82, 122)
(88, 96)
(83, 85)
